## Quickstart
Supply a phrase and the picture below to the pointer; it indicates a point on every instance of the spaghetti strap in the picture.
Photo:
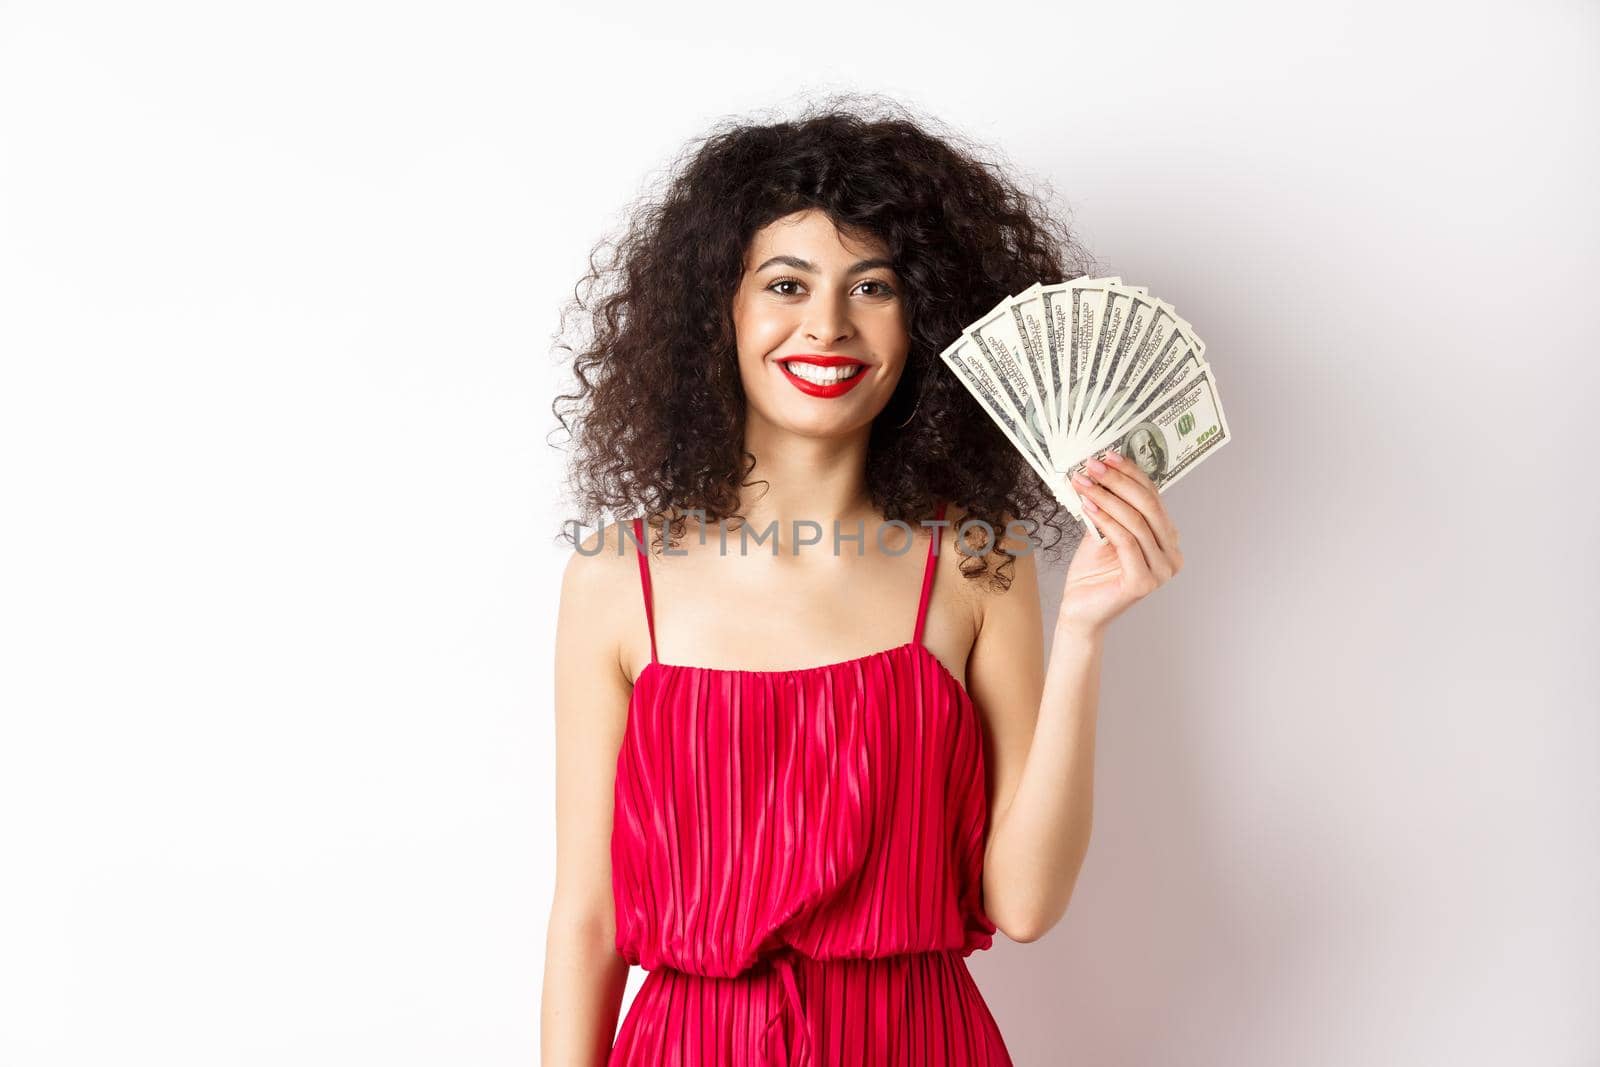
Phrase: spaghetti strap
(644, 584)
(927, 576)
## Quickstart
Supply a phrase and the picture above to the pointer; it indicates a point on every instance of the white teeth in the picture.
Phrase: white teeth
(822, 375)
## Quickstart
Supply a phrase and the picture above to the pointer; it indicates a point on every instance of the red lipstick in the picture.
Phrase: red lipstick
(831, 389)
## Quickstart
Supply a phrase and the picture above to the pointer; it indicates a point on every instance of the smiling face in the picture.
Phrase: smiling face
(821, 327)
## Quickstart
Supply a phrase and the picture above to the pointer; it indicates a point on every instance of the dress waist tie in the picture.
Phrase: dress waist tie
(799, 1031)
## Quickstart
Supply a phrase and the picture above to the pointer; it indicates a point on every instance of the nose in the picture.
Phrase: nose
(827, 321)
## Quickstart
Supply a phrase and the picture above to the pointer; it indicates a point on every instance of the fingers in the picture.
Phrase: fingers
(1152, 560)
(1130, 556)
(1134, 485)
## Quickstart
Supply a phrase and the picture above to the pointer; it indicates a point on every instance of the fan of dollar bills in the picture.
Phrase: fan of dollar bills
(1073, 370)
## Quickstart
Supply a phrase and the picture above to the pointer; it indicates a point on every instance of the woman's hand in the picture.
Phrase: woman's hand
(1140, 552)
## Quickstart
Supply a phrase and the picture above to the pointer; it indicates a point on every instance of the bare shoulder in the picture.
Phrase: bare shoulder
(596, 584)
(598, 563)
(991, 582)
(600, 557)
(1005, 668)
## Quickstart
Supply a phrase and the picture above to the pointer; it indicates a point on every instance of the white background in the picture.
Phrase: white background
(277, 290)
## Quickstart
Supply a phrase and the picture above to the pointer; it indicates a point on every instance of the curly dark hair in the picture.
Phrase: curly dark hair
(659, 355)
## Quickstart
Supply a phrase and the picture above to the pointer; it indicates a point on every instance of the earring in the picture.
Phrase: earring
(914, 408)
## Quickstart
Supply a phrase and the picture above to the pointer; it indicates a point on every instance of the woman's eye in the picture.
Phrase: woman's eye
(878, 288)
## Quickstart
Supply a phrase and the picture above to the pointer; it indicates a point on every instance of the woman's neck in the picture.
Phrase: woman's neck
(797, 478)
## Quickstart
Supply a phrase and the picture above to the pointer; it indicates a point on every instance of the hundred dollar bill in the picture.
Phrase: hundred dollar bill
(962, 359)
(1072, 369)
(1069, 311)
(1113, 317)
(1170, 440)
(1000, 345)
(1028, 314)
(1153, 384)
(1174, 378)
(1086, 305)
(1120, 345)
(1130, 371)
(965, 361)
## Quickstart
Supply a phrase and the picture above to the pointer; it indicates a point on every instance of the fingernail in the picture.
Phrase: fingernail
(1082, 479)
(1113, 456)
(1096, 466)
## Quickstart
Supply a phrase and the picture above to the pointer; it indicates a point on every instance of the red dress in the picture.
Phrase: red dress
(797, 862)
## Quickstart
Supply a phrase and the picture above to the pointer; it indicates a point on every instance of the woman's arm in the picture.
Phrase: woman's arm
(1042, 758)
(584, 976)
(1043, 729)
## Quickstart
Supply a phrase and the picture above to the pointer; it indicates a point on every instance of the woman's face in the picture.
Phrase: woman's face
(821, 327)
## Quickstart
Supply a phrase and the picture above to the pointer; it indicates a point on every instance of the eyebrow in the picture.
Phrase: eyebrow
(800, 264)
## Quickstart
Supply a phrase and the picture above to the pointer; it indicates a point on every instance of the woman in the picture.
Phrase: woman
(800, 842)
